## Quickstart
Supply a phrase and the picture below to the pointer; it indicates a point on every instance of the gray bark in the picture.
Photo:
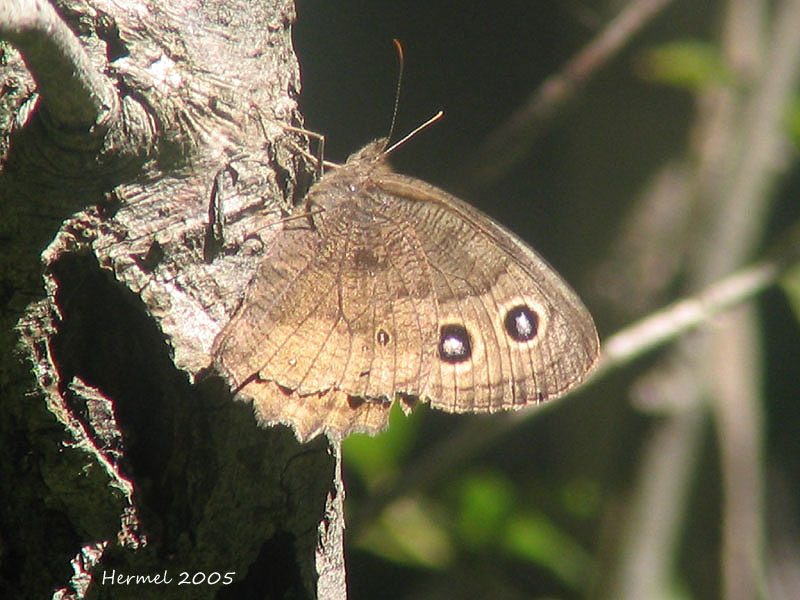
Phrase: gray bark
(142, 149)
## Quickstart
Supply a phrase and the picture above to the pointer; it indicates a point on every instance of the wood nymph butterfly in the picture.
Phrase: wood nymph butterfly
(391, 288)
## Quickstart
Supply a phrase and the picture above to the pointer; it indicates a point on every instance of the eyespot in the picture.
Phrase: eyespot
(383, 337)
(521, 323)
(455, 345)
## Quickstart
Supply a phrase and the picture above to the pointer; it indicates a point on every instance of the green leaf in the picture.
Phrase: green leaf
(536, 538)
(687, 64)
(377, 458)
(485, 500)
(410, 532)
(793, 121)
(790, 282)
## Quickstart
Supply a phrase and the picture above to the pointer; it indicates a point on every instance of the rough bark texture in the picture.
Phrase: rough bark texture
(124, 454)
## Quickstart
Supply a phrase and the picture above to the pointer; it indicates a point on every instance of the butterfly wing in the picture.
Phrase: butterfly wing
(344, 305)
(510, 330)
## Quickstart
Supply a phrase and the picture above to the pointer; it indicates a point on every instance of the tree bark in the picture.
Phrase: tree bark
(142, 145)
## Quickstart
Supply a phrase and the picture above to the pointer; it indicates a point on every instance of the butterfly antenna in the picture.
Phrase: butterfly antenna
(401, 65)
(414, 132)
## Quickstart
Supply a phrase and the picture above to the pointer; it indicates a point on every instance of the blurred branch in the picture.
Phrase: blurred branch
(740, 142)
(656, 508)
(783, 564)
(754, 146)
(503, 148)
(684, 315)
(754, 154)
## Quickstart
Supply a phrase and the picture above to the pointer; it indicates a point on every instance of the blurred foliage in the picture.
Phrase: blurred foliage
(376, 458)
(793, 122)
(688, 64)
(791, 285)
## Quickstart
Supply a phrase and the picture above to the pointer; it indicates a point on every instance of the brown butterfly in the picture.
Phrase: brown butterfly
(392, 288)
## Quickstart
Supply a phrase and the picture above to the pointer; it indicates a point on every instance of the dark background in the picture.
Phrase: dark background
(477, 63)
(568, 473)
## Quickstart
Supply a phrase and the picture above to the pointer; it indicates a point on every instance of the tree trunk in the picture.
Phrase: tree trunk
(147, 138)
